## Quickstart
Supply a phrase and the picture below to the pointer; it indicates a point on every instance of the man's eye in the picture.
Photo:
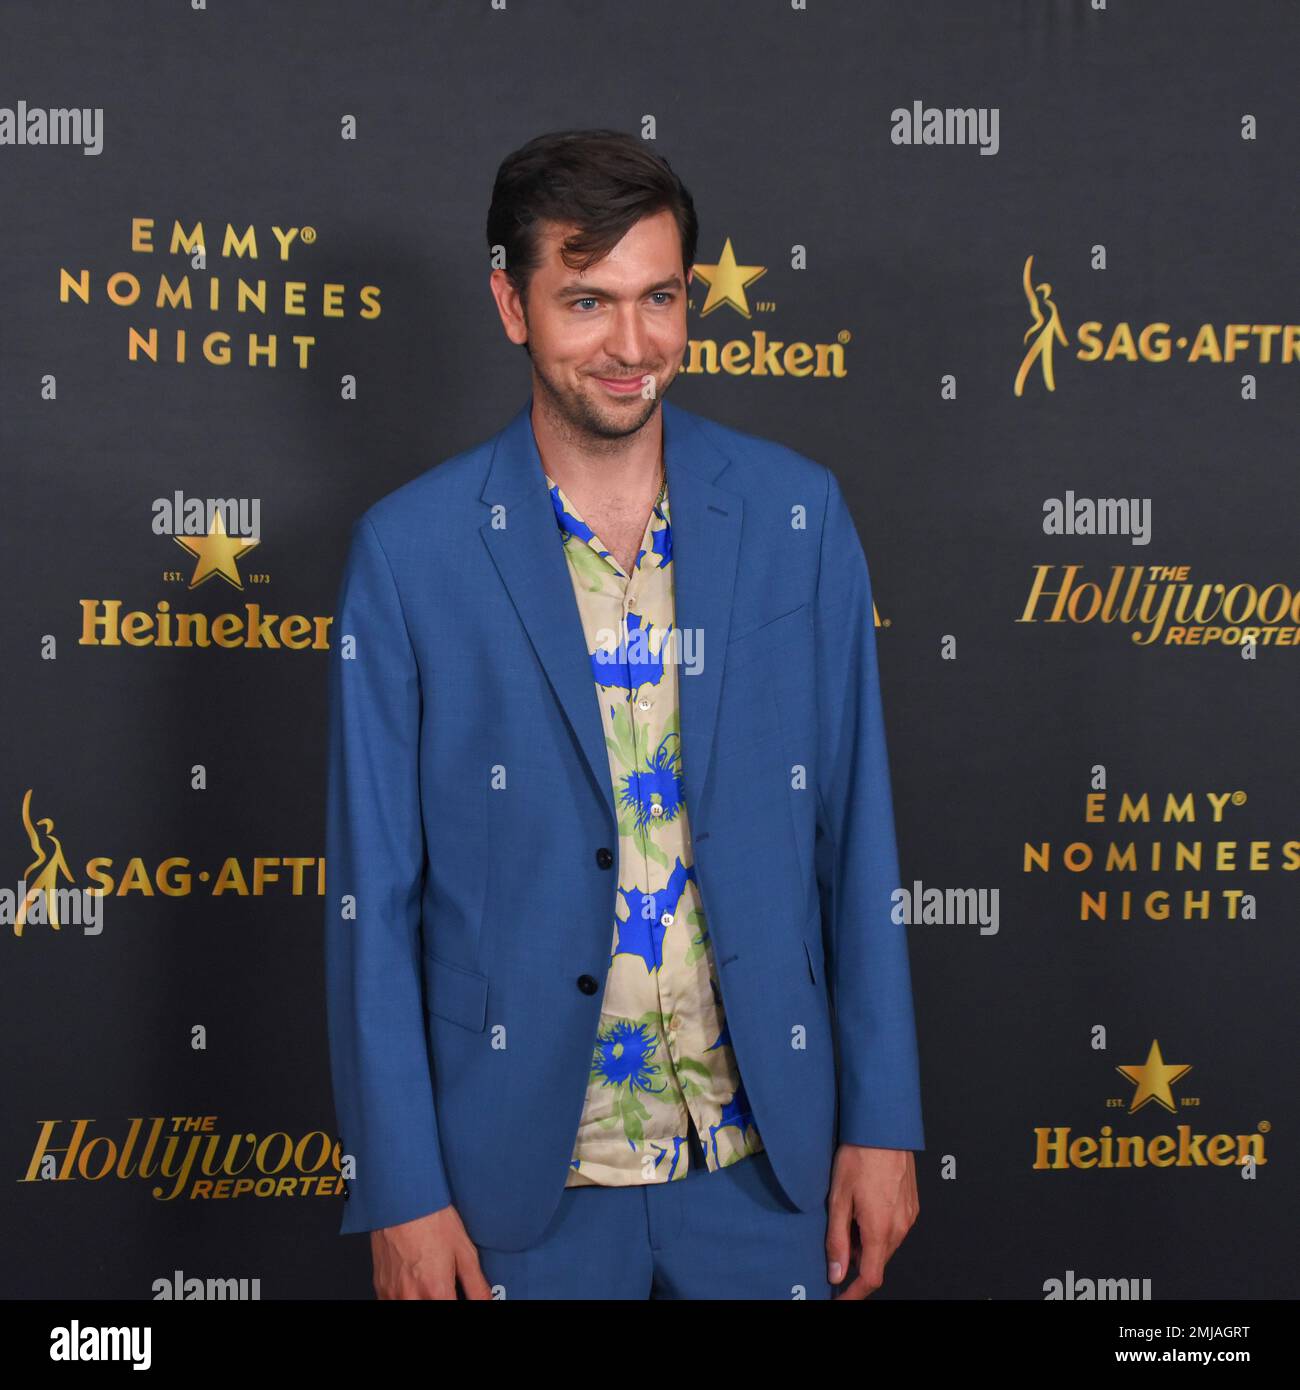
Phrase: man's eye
(588, 299)
(663, 295)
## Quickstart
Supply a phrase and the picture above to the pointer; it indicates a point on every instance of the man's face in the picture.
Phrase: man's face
(596, 336)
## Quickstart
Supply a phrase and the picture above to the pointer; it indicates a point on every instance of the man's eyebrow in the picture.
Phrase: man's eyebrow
(580, 289)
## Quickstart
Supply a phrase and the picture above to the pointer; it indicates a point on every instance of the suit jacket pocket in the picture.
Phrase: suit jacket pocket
(454, 993)
(763, 641)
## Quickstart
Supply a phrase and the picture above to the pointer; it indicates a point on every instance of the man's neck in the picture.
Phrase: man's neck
(618, 474)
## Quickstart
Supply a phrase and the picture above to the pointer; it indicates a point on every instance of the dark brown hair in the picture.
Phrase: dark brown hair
(601, 180)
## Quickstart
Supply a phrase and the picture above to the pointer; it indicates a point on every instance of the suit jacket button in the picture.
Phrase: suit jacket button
(587, 984)
(604, 858)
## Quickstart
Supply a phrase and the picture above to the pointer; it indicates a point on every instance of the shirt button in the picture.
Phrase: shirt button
(667, 919)
(656, 809)
(604, 858)
(587, 984)
(643, 704)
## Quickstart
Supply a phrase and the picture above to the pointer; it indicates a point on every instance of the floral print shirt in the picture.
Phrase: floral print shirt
(662, 1050)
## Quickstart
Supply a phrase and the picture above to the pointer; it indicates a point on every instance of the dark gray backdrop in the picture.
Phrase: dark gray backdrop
(1119, 128)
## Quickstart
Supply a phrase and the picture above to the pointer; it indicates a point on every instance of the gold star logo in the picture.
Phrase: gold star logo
(216, 553)
(1153, 1080)
(728, 281)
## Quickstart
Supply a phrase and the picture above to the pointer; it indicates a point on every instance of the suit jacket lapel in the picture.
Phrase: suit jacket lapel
(706, 547)
(525, 547)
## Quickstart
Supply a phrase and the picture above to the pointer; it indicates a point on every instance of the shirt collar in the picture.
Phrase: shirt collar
(567, 518)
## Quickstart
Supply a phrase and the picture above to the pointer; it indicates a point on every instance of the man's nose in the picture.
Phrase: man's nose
(627, 337)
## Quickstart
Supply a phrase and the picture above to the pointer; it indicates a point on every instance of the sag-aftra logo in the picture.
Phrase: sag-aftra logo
(1246, 345)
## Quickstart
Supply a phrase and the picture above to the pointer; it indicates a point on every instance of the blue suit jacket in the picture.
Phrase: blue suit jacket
(465, 925)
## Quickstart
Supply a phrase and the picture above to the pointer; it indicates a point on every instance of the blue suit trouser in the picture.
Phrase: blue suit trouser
(729, 1234)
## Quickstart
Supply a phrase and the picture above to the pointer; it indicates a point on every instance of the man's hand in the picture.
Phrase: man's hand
(425, 1257)
(876, 1188)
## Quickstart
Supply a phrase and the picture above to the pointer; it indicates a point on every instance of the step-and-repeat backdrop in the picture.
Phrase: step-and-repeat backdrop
(1022, 274)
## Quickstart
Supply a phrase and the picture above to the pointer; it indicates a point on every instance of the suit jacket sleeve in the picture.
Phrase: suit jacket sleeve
(379, 1057)
(857, 859)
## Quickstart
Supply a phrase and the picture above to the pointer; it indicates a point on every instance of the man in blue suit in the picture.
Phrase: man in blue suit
(617, 1005)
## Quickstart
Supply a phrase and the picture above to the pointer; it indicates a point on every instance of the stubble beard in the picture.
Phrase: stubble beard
(586, 425)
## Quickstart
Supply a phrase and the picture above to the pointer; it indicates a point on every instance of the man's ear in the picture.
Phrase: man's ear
(510, 305)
